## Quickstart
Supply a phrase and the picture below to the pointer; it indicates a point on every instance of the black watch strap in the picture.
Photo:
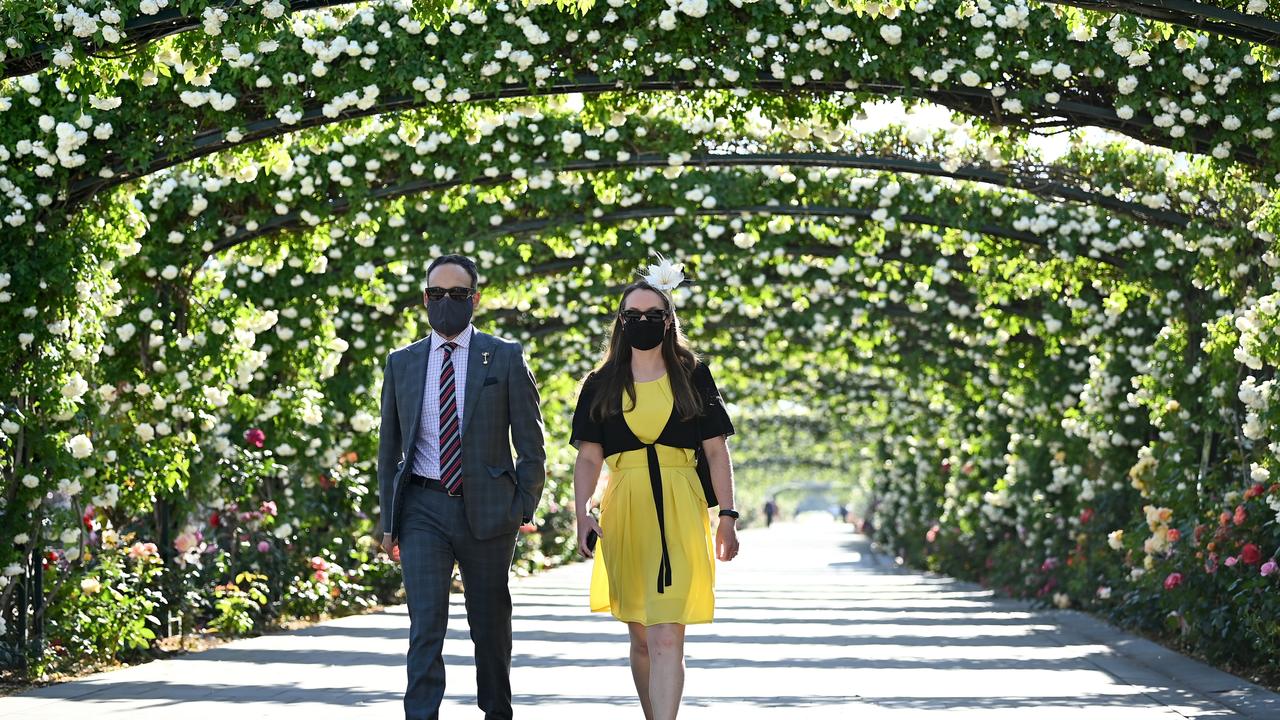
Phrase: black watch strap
(729, 513)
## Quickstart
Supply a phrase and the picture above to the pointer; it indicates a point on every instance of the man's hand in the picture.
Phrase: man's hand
(391, 547)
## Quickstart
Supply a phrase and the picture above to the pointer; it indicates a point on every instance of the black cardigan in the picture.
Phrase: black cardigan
(616, 436)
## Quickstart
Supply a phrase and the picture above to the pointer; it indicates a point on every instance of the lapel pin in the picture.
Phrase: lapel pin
(484, 357)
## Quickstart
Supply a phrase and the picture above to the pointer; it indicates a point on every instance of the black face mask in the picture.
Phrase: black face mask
(644, 334)
(448, 316)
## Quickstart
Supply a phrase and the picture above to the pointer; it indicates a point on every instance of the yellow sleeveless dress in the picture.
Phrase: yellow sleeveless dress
(628, 556)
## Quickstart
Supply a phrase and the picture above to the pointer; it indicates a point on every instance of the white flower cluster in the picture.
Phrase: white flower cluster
(1257, 324)
(363, 100)
(221, 102)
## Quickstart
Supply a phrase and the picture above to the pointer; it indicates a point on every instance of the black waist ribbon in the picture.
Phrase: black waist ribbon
(655, 482)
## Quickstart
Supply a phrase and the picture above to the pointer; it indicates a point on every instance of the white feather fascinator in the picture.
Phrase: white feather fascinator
(666, 275)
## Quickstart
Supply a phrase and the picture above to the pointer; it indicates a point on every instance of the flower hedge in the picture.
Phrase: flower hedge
(1053, 372)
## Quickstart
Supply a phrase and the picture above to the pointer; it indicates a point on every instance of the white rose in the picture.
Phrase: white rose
(892, 34)
(693, 8)
(283, 531)
(80, 446)
(362, 422)
(839, 33)
(20, 539)
(10, 427)
(75, 388)
(145, 432)
(30, 481)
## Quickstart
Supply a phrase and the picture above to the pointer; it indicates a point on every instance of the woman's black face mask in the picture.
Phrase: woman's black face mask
(643, 332)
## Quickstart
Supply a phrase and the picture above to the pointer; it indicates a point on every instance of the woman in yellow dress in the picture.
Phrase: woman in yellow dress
(647, 409)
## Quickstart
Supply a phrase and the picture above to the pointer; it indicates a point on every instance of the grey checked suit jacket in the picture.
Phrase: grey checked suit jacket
(501, 410)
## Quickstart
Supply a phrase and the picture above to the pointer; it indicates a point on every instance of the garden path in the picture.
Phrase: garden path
(811, 624)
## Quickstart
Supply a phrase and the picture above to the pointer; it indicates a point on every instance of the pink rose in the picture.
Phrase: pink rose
(142, 550)
(255, 437)
(264, 546)
(1268, 567)
(268, 508)
(1173, 581)
(185, 542)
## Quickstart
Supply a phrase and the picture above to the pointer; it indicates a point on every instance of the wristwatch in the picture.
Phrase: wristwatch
(729, 513)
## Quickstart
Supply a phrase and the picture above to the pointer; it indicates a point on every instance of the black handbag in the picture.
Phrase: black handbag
(704, 474)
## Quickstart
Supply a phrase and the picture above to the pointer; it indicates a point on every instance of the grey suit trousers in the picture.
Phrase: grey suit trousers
(434, 534)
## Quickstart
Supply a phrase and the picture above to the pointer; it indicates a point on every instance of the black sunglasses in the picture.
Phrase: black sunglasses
(655, 315)
(457, 293)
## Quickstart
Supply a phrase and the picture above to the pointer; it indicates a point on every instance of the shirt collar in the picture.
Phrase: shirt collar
(463, 340)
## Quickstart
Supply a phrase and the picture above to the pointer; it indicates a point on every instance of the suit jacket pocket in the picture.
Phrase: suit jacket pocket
(496, 472)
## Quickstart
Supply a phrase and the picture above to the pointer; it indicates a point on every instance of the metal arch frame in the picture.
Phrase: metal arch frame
(978, 103)
(143, 30)
(336, 206)
(1192, 15)
(551, 267)
(1026, 238)
(1041, 187)
(1025, 309)
(1185, 13)
(1021, 307)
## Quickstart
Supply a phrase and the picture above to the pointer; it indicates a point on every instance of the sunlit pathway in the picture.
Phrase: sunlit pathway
(812, 625)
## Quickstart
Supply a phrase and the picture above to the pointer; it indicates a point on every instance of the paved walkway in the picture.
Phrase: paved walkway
(812, 624)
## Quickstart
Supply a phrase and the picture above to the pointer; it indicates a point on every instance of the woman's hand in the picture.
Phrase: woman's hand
(727, 539)
(587, 523)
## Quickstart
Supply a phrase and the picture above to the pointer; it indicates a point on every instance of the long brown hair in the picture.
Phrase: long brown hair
(614, 371)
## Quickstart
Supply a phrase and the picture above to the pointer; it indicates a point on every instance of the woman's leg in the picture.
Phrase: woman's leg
(666, 676)
(640, 666)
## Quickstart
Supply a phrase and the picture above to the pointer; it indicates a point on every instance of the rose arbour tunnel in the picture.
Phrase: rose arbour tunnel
(1022, 325)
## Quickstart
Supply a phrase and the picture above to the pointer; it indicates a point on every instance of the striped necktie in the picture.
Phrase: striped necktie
(450, 428)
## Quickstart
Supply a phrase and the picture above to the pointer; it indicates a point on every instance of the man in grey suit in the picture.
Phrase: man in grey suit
(453, 404)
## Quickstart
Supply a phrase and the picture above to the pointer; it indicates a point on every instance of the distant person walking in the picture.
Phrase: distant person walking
(770, 511)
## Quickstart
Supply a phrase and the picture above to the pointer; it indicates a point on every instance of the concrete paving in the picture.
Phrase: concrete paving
(810, 624)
